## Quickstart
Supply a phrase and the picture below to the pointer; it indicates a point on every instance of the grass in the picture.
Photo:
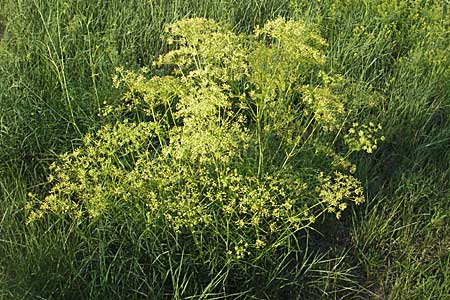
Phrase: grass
(403, 241)
(56, 63)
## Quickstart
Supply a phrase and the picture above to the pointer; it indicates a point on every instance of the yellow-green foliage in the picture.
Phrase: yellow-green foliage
(364, 137)
(227, 138)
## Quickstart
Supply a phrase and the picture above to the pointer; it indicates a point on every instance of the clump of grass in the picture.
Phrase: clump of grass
(400, 48)
(403, 246)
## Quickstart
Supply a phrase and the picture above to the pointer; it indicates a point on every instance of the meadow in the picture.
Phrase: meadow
(225, 149)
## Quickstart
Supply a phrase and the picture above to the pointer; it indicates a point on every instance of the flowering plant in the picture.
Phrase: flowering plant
(228, 142)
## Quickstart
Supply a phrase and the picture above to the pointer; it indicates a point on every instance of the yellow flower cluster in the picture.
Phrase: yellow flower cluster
(326, 108)
(86, 181)
(335, 191)
(206, 48)
(364, 137)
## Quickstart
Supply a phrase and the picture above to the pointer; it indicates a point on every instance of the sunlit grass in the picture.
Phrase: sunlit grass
(56, 63)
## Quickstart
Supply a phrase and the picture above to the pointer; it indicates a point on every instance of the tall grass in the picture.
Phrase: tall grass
(400, 48)
(56, 62)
